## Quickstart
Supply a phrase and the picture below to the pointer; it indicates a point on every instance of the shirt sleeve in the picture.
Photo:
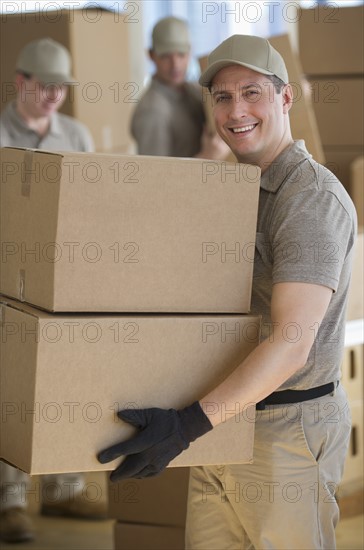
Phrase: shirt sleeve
(311, 238)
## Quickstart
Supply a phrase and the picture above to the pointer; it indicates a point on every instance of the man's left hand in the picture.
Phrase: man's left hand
(163, 435)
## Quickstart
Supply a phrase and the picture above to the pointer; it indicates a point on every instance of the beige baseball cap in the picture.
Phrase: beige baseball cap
(253, 52)
(171, 35)
(47, 60)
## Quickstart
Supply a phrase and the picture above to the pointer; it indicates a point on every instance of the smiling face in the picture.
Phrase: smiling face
(250, 115)
(39, 100)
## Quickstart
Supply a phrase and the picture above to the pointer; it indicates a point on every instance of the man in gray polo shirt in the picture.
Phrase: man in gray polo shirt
(43, 74)
(304, 247)
(169, 119)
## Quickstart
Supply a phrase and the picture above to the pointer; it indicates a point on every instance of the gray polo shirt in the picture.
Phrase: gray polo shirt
(169, 122)
(64, 134)
(306, 231)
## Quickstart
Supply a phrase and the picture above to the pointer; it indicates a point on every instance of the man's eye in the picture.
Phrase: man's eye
(221, 98)
(252, 95)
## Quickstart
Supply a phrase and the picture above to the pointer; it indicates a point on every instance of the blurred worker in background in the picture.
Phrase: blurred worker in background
(169, 119)
(43, 75)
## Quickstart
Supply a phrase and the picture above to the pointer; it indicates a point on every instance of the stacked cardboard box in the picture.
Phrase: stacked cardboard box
(109, 246)
(352, 379)
(302, 116)
(104, 233)
(105, 94)
(331, 50)
(150, 513)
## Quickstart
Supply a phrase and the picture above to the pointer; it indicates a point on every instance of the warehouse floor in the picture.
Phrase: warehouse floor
(65, 534)
(62, 534)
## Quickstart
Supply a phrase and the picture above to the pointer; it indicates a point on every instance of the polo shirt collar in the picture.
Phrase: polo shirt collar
(283, 166)
(168, 91)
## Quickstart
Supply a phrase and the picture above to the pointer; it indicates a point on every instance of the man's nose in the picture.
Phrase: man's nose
(238, 108)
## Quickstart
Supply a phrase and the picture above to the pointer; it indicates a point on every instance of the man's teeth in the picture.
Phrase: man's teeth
(244, 129)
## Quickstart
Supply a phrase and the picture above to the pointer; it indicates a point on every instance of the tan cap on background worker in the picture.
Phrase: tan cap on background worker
(47, 60)
(171, 35)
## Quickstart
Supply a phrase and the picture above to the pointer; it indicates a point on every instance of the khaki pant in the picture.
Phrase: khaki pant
(285, 499)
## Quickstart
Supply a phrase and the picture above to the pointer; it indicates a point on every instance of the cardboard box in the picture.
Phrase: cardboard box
(331, 40)
(302, 116)
(64, 377)
(98, 41)
(338, 105)
(148, 537)
(354, 464)
(160, 500)
(355, 307)
(352, 369)
(105, 233)
(357, 188)
(339, 160)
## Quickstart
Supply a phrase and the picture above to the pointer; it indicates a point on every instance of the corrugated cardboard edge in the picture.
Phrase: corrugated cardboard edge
(4, 304)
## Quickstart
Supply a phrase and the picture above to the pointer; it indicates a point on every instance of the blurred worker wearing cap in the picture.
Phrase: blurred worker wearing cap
(169, 119)
(304, 246)
(43, 74)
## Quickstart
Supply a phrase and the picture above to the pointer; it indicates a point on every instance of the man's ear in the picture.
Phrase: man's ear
(287, 97)
(151, 54)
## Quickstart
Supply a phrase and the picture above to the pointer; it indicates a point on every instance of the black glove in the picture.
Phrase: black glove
(163, 435)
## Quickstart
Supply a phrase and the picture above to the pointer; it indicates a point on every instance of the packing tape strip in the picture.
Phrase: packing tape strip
(27, 174)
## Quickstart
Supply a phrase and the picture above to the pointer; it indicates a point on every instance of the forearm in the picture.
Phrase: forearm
(260, 374)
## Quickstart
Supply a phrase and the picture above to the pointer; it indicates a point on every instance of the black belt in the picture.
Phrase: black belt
(285, 397)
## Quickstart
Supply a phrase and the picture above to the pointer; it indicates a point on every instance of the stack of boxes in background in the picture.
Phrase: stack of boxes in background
(331, 51)
(127, 281)
(105, 94)
(151, 513)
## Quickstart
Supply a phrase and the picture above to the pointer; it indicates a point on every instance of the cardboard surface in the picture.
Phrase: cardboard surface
(64, 377)
(331, 39)
(105, 96)
(148, 537)
(339, 160)
(354, 462)
(338, 103)
(127, 234)
(160, 500)
(352, 369)
(302, 117)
